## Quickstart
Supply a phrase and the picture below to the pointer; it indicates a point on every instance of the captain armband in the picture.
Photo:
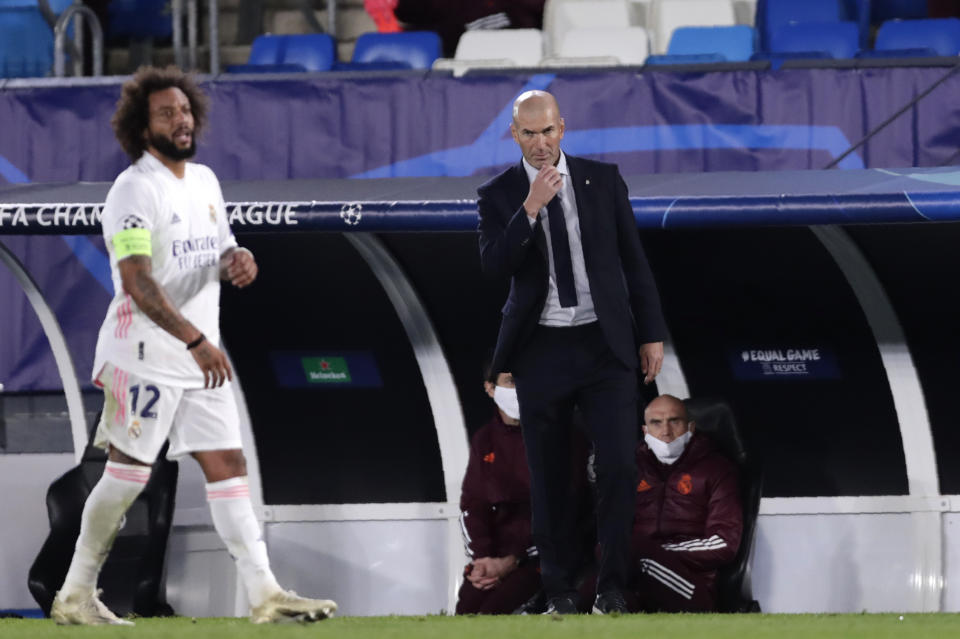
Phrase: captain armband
(132, 242)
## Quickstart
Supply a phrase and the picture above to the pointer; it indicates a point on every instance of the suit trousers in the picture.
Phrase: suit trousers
(558, 370)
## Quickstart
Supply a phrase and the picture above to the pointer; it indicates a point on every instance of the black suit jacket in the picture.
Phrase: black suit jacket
(624, 293)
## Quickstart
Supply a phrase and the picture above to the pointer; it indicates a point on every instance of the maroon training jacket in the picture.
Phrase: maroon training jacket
(495, 499)
(691, 507)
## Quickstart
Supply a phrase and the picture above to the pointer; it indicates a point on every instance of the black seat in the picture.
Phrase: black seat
(132, 575)
(714, 418)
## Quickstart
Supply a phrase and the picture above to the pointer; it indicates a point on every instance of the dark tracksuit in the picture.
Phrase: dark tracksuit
(687, 523)
(495, 518)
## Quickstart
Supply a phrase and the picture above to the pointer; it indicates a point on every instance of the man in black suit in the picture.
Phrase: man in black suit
(581, 299)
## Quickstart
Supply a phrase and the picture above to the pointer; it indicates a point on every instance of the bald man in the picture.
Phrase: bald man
(582, 314)
(689, 518)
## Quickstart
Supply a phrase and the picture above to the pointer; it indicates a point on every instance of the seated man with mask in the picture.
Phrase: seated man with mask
(688, 519)
(495, 512)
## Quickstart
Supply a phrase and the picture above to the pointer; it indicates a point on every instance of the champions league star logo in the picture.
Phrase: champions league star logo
(133, 222)
(351, 213)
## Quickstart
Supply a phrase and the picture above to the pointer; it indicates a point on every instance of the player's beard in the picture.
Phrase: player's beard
(168, 149)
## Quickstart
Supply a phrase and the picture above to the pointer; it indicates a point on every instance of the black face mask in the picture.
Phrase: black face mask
(168, 149)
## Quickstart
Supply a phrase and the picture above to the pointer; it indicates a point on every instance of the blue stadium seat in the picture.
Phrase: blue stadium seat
(773, 14)
(56, 5)
(732, 43)
(413, 49)
(907, 38)
(685, 58)
(284, 53)
(840, 40)
(315, 51)
(266, 49)
(883, 10)
(26, 43)
(139, 19)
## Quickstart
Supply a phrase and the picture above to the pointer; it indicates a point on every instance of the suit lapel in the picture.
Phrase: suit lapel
(583, 194)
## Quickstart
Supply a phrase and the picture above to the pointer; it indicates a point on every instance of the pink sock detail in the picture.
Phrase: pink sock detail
(233, 488)
(128, 472)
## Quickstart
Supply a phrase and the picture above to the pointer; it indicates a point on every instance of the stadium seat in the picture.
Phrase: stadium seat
(715, 419)
(730, 44)
(410, 49)
(624, 45)
(495, 48)
(315, 51)
(668, 15)
(773, 14)
(686, 58)
(26, 43)
(139, 19)
(883, 10)
(840, 40)
(524, 47)
(133, 573)
(559, 16)
(908, 38)
(281, 53)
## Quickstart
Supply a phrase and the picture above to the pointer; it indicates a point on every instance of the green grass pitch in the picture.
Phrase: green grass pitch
(760, 626)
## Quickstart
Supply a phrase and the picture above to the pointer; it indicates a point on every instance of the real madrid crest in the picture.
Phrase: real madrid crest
(134, 431)
(213, 214)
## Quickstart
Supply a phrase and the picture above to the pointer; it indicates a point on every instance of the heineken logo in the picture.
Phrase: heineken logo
(326, 370)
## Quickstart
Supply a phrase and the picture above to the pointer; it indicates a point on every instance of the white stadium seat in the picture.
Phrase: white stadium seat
(626, 45)
(494, 48)
(559, 16)
(667, 15)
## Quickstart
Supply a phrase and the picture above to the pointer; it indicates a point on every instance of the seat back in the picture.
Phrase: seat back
(523, 47)
(139, 19)
(415, 49)
(883, 10)
(733, 43)
(562, 15)
(627, 45)
(132, 574)
(26, 43)
(314, 51)
(773, 14)
(841, 40)
(714, 418)
(668, 15)
(941, 35)
(266, 49)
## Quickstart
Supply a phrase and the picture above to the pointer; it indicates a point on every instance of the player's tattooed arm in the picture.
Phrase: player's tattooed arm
(138, 282)
(136, 273)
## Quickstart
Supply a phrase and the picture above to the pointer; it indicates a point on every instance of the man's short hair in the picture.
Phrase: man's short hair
(133, 108)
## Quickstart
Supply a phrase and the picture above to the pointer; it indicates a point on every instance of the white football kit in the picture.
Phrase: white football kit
(152, 385)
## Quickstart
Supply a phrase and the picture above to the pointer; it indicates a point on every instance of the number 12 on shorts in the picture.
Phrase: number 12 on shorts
(146, 413)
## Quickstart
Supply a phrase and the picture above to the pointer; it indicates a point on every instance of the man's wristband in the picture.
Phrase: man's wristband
(197, 342)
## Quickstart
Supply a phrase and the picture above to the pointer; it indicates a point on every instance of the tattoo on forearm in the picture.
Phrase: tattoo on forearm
(153, 301)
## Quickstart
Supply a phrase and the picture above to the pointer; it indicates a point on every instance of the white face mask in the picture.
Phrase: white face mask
(506, 399)
(668, 453)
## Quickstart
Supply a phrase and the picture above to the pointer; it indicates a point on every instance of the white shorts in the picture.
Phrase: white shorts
(138, 416)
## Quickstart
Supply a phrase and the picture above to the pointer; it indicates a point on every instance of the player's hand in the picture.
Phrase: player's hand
(213, 363)
(651, 359)
(483, 576)
(242, 268)
(543, 188)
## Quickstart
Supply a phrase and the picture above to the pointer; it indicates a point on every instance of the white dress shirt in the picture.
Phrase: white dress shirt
(553, 314)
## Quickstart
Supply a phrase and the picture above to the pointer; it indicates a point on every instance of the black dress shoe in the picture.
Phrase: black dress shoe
(562, 605)
(609, 602)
